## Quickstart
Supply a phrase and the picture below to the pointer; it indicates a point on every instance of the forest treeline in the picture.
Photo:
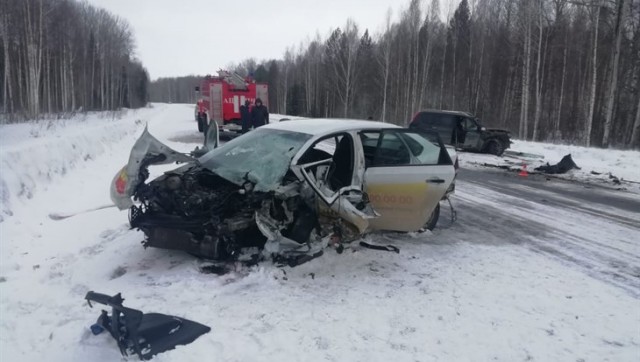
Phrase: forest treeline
(61, 56)
(175, 89)
(553, 70)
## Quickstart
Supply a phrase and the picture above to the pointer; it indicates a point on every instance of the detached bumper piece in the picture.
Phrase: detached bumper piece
(565, 165)
(144, 334)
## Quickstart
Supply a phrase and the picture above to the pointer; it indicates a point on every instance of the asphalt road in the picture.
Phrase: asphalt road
(591, 228)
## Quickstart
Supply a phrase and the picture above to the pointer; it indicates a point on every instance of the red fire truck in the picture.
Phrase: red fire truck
(219, 99)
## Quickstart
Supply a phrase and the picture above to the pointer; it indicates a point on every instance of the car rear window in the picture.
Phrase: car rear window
(425, 151)
(401, 148)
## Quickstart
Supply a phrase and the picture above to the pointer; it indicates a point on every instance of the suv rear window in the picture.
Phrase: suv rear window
(433, 120)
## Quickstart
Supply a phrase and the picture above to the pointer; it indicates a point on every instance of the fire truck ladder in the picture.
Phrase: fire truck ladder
(233, 78)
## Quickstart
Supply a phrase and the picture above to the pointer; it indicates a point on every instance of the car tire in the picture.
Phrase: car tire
(433, 219)
(495, 148)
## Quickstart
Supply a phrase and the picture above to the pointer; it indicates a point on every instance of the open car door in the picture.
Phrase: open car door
(334, 168)
(407, 174)
(472, 134)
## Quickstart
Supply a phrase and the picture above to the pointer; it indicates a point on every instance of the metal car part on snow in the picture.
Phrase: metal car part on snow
(285, 190)
(143, 334)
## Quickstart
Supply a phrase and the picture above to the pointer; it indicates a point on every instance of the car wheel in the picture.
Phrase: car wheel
(495, 148)
(433, 219)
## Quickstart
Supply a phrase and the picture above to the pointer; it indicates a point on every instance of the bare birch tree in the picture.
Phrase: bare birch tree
(384, 61)
(526, 71)
(342, 54)
(615, 65)
(594, 72)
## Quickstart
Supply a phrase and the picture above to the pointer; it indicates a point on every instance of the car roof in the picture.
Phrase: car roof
(457, 113)
(320, 126)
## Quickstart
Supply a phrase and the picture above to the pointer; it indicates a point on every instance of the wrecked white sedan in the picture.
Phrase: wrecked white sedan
(286, 190)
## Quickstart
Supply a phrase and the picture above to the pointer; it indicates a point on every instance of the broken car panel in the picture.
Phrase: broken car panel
(143, 334)
(286, 189)
(146, 151)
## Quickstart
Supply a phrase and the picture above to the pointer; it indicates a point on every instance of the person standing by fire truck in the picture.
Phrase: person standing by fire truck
(245, 116)
(259, 114)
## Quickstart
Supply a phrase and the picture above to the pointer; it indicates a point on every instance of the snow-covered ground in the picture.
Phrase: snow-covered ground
(596, 164)
(455, 295)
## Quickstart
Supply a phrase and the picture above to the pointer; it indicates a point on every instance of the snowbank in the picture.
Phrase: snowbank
(36, 154)
(274, 118)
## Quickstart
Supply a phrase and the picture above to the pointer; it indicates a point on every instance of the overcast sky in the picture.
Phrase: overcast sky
(181, 37)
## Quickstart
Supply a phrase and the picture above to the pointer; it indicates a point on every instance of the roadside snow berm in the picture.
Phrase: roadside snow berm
(523, 171)
(144, 334)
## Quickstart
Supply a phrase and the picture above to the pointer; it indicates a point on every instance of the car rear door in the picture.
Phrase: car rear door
(410, 172)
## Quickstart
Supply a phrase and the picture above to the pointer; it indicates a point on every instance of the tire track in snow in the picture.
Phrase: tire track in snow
(599, 245)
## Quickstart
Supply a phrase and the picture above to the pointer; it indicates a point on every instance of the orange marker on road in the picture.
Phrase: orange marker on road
(523, 171)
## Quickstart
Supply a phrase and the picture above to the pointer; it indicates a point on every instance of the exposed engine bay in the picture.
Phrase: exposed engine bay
(194, 210)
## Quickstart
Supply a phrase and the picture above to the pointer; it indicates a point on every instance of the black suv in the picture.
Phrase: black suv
(462, 130)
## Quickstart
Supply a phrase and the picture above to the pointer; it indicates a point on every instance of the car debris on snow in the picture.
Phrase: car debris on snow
(143, 334)
(565, 165)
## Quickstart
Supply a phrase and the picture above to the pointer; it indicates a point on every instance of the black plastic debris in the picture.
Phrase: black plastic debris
(614, 179)
(144, 334)
(295, 260)
(391, 248)
(214, 269)
(565, 165)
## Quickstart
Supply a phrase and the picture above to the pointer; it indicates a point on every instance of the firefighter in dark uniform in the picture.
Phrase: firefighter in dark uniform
(245, 116)
(259, 114)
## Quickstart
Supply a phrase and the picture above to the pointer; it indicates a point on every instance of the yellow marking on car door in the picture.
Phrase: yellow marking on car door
(398, 204)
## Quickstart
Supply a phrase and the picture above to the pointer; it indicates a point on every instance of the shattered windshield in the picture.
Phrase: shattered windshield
(262, 155)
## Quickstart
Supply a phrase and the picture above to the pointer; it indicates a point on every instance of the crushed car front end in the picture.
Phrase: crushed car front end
(194, 210)
(223, 205)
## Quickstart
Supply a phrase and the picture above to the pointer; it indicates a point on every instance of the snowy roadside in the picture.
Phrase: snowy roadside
(35, 155)
(465, 292)
(596, 164)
